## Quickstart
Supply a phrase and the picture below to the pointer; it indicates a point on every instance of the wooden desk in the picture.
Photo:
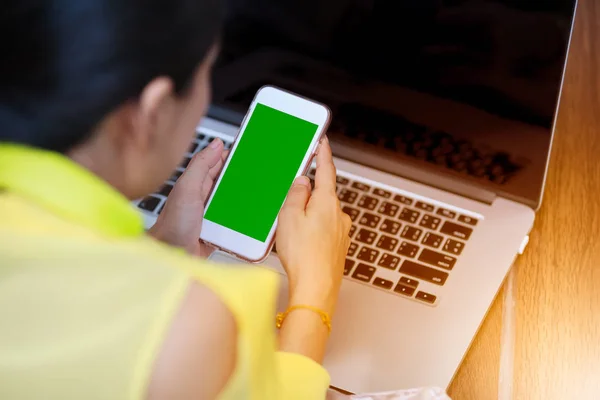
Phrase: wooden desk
(557, 281)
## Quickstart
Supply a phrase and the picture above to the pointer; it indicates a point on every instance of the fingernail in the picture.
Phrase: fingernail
(215, 143)
(302, 180)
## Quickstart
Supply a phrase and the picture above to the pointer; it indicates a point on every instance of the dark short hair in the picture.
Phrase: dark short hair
(66, 64)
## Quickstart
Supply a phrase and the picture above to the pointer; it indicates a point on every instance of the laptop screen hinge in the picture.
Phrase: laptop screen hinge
(418, 173)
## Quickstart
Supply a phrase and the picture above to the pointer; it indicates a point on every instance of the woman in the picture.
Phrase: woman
(98, 101)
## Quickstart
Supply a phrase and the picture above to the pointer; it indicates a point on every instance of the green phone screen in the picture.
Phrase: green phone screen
(261, 172)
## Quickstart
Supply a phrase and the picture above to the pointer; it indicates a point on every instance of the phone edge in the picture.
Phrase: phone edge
(271, 243)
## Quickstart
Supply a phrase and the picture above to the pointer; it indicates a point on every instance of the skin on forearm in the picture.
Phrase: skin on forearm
(303, 332)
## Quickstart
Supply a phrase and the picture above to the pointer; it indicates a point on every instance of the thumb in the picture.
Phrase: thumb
(203, 161)
(298, 195)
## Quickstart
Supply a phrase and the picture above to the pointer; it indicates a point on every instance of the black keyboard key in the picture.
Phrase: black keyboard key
(389, 226)
(364, 272)
(387, 243)
(348, 266)
(454, 246)
(403, 199)
(408, 282)
(408, 249)
(405, 290)
(166, 189)
(352, 212)
(432, 240)
(426, 297)
(389, 209)
(185, 162)
(424, 206)
(149, 203)
(383, 283)
(459, 231)
(437, 259)
(389, 261)
(412, 233)
(193, 148)
(367, 254)
(201, 136)
(341, 180)
(446, 213)
(366, 236)
(361, 186)
(409, 215)
(176, 175)
(368, 202)
(467, 220)
(352, 249)
(422, 272)
(347, 196)
(382, 193)
(352, 230)
(370, 220)
(430, 222)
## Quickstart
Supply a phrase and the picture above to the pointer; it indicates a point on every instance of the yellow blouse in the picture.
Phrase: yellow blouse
(86, 297)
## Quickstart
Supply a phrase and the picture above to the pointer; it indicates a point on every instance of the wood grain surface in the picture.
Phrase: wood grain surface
(557, 342)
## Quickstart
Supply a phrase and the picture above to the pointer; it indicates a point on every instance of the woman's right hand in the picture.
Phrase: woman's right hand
(312, 237)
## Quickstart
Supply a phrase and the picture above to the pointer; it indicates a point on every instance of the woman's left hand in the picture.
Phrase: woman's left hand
(180, 222)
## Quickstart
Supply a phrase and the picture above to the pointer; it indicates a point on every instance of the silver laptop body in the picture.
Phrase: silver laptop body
(441, 208)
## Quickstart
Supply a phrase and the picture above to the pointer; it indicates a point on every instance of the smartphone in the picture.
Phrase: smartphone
(276, 143)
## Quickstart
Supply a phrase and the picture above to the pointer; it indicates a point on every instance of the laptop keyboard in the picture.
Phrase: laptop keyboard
(154, 203)
(391, 231)
(400, 243)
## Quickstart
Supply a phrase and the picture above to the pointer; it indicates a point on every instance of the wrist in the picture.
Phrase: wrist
(323, 297)
(155, 232)
(161, 233)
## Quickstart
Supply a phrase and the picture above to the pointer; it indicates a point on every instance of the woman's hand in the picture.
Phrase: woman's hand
(312, 237)
(180, 222)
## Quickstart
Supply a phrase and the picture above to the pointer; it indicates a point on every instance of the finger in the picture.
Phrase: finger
(347, 222)
(213, 173)
(298, 196)
(215, 170)
(209, 182)
(325, 175)
(207, 186)
(201, 164)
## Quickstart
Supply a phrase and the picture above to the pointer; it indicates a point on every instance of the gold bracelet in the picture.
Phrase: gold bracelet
(324, 316)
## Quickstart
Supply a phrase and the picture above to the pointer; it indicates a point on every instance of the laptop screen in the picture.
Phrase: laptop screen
(467, 88)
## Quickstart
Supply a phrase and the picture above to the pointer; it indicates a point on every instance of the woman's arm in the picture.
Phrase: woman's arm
(312, 241)
(198, 355)
(180, 223)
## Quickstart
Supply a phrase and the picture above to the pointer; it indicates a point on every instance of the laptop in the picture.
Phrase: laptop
(443, 116)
